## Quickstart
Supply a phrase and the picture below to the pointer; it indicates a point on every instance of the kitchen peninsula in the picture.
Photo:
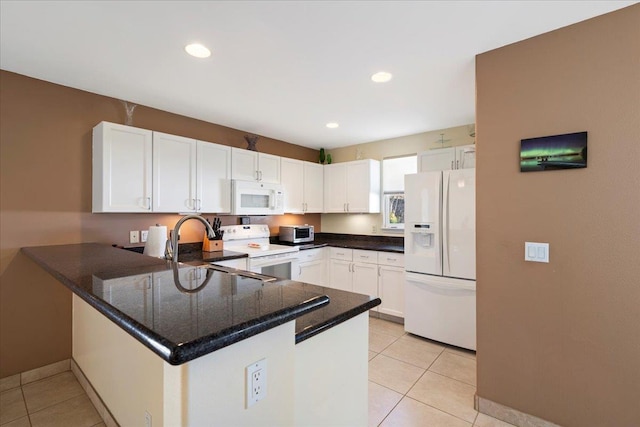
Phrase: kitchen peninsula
(170, 341)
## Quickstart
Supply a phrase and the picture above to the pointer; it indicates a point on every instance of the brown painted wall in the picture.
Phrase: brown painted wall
(45, 152)
(561, 341)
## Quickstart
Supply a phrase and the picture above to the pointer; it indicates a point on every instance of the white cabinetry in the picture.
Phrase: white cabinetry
(391, 283)
(372, 273)
(213, 177)
(365, 273)
(122, 159)
(352, 187)
(292, 176)
(303, 184)
(174, 173)
(313, 187)
(339, 268)
(253, 166)
(311, 263)
(460, 157)
(353, 270)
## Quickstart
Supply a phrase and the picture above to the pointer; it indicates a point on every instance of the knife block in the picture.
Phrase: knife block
(210, 245)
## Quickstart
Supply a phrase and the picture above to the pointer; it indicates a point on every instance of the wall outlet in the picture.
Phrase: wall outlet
(147, 419)
(143, 235)
(256, 382)
(374, 229)
(134, 236)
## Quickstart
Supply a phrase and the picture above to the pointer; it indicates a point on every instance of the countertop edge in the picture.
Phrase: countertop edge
(206, 345)
(323, 326)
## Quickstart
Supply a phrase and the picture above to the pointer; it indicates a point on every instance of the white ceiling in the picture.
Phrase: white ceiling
(281, 69)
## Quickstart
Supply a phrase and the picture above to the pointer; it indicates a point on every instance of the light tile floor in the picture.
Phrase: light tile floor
(56, 401)
(415, 382)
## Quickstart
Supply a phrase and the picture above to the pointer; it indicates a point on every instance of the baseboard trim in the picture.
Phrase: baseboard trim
(509, 415)
(102, 409)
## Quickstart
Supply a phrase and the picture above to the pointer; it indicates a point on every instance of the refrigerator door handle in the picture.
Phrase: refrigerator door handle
(445, 227)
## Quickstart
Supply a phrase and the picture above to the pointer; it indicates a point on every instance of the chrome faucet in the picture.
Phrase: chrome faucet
(171, 249)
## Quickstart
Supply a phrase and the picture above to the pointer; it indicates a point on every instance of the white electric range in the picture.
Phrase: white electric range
(264, 258)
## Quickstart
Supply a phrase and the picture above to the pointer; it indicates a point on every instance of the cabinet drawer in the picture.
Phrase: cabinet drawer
(365, 256)
(311, 255)
(341, 253)
(391, 258)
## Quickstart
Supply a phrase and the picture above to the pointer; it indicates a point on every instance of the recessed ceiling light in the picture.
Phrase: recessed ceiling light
(381, 77)
(197, 50)
(332, 125)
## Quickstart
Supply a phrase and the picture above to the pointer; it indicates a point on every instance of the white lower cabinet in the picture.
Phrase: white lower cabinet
(311, 263)
(375, 273)
(391, 283)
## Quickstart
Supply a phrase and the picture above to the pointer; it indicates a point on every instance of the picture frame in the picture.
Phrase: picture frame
(566, 151)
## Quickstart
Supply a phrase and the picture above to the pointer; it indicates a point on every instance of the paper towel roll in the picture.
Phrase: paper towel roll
(156, 241)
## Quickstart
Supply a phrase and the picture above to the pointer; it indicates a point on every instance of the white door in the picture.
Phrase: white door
(358, 185)
(441, 309)
(213, 178)
(459, 224)
(174, 173)
(313, 187)
(466, 157)
(422, 222)
(312, 272)
(365, 279)
(122, 173)
(268, 168)
(244, 164)
(391, 290)
(340, 276)
(438, 159)
(292, 176)
(335, 189)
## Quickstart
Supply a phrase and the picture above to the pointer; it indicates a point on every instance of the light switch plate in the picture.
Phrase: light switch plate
(536, 252)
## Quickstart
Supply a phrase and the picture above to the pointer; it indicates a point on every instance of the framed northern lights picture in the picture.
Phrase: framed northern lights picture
(568, 151)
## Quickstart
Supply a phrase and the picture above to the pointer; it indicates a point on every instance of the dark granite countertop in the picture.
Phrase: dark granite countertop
(203, 311)
(192, 253)
(353, 241)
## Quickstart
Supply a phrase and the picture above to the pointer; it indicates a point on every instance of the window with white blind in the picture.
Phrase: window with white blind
(393, 171)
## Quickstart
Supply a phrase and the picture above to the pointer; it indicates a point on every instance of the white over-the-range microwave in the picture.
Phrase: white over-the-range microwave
(256, 198)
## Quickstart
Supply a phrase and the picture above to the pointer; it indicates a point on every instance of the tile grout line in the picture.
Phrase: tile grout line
(26, 408)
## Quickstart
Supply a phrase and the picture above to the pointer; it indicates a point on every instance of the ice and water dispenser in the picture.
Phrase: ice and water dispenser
(422, 248)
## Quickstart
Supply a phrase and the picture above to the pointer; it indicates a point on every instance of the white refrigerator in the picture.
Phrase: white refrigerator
(440, 256)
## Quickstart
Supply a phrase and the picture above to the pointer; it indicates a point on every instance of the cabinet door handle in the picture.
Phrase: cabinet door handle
(198, 204)
(260, 175)
(347, 207)
(148, 200)
(457, 164)
(379, 274)
(451, 164)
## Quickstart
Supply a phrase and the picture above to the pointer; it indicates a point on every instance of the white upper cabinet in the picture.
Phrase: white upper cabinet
(174, 173)
(352, 187)
(303, 186)
(460, 157)
(253, 166)
(313, 187)
(466, 157)
(122, 159)
(213, 177)
(292, 176)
